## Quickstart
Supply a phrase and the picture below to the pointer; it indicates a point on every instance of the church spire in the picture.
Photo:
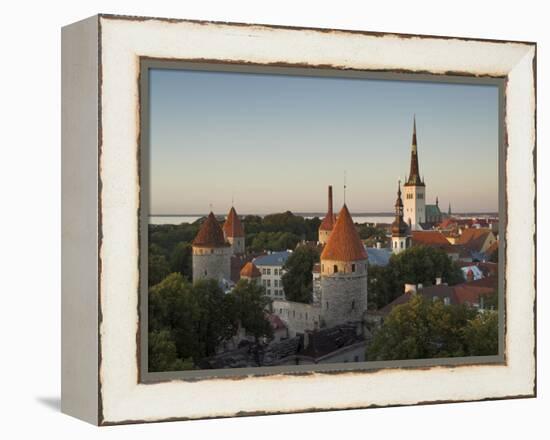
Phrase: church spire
(399, 227)
(414, 173)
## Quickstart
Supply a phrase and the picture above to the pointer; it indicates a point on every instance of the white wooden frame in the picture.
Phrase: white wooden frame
(100, 371)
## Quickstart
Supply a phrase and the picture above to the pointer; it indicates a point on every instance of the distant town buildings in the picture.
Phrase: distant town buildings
(271, 269)
(334, 326)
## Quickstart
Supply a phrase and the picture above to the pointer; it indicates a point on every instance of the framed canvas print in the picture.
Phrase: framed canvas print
(262, 219)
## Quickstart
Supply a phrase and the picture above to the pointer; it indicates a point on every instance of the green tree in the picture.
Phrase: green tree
(423, 329)
(416, 265)
(158, 268)
(481, 335)
(181, 260)
(174, 307)
(215, 322)
(298, 277)
(372, 234)
(163, 354)
(249, 302)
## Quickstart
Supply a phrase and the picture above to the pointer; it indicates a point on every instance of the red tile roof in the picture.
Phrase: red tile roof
(474, 238)
(429, 238)
(232, 226)
(468, 292)
(328, 222)
(250, 270)
(210, 234)
(344, 243)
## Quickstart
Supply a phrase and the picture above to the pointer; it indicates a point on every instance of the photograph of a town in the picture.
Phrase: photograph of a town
(300, 220)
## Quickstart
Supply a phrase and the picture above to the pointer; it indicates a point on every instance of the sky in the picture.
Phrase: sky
(273, 143)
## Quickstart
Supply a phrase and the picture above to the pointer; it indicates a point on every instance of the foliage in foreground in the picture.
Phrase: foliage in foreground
(188, 322)
(423, 329)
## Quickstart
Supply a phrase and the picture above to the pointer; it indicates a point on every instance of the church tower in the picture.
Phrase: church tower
(343, 274)
(415, 190)
(233, 232)
(328, 222)
(211, 253)
(400, 236)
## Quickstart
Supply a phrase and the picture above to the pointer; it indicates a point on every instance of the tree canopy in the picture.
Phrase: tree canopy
(298, 276)
(421, 329)
(189, 322)
(416, 265)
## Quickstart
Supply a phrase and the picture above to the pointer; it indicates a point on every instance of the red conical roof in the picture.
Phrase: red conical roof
(232, 226)
(250, 270)
(344, 243)
(210, 234)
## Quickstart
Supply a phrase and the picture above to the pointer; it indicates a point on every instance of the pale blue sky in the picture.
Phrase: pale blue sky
(274, 142)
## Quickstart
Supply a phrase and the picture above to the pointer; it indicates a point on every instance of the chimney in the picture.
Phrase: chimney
(330, 200)
(378, 245)
(410, 288)
(438, 281)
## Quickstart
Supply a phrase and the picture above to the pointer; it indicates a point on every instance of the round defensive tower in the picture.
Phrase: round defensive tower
(343, 274)
(233, 232)
(211, 253)
(328, 222)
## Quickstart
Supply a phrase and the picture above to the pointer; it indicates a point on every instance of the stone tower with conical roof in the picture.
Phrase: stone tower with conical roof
(343, 274)
(211, 252)
(400, 234)
(233, 232)
(415, 189)
(328, 222)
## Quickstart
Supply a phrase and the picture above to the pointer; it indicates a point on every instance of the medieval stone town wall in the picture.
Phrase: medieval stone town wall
(298, 317)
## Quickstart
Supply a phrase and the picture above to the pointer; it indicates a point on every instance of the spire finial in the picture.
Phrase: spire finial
(232, 200)
(210, 205)
(399, 187)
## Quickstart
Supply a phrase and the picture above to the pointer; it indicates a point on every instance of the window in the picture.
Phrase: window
(356, 359)
(353, 305)
(276, 283)
(401, 243)
(269, 291)
(326, 305)
(335, 268)
(353, 267)
(263, 271)
(269, 271)
(268, 283)
(205, 273)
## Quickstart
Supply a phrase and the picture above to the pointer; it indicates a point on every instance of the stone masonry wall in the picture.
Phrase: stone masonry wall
(343, 298)
(298, 317)
(211, 263)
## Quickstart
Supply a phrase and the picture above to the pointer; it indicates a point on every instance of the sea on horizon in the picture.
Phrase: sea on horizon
(178, 219)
